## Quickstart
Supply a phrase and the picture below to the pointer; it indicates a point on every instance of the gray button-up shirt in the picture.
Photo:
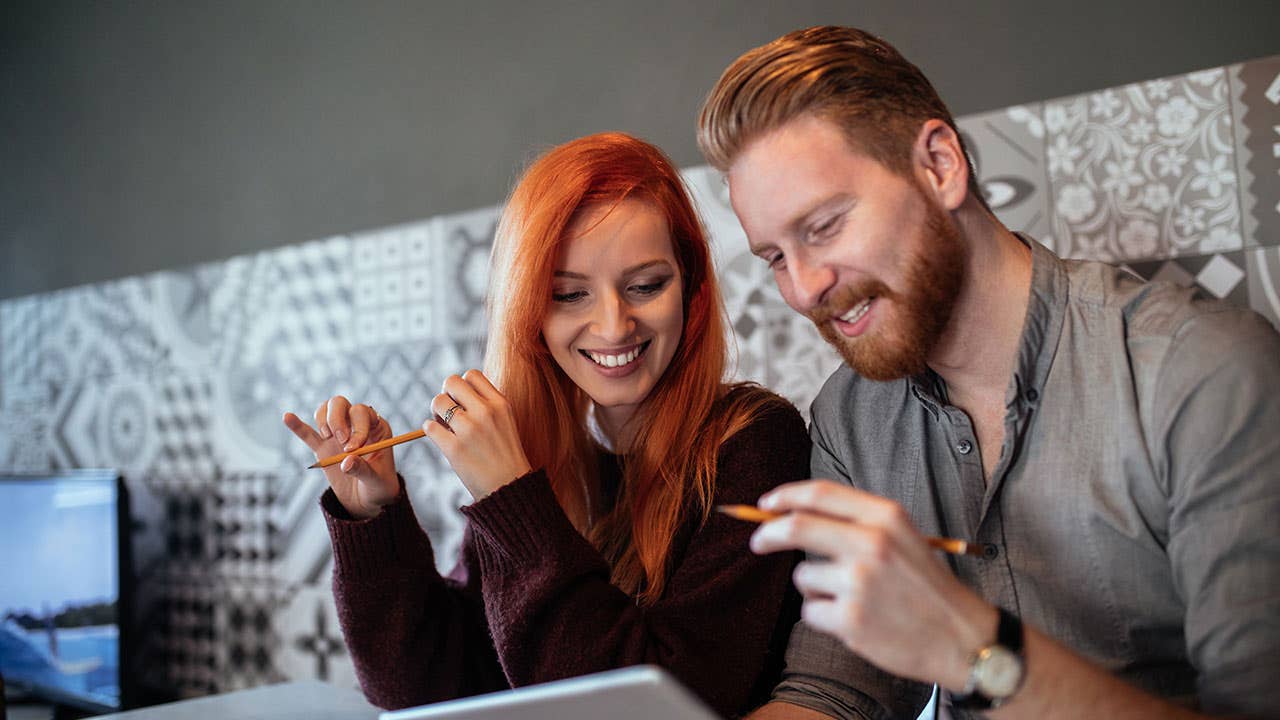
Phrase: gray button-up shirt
(1134, 510)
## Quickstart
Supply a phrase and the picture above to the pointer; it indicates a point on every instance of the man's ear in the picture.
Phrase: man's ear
(942, 164)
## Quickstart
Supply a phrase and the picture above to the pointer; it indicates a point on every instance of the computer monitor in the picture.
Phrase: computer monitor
(64, 564)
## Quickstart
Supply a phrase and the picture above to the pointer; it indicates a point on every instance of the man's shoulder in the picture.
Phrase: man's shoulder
(846, 393)
(1160, 310)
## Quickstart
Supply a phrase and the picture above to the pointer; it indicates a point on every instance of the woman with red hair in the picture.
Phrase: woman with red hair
(596, 443)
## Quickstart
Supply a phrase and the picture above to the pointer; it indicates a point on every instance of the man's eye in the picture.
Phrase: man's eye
(568, 297)
(827, 228)
(776, 261)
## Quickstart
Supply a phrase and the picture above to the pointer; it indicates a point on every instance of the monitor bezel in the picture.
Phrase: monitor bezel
(124, 591)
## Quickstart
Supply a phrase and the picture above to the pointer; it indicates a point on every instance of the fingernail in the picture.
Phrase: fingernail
(348, 462)
(349, 447)
(324, 432)
(766, 502)
(342, 436)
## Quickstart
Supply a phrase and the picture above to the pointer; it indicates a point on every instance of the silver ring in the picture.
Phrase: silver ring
(448, 414)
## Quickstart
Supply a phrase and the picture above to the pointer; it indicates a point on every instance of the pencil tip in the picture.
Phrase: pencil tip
(313, 466)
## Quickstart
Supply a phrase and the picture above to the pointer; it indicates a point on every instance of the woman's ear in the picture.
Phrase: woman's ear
(939, 158)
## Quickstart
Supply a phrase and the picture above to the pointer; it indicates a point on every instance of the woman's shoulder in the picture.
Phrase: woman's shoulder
(770, 446)
(760, 415)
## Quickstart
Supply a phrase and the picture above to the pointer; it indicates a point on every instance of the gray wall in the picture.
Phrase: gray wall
(136, 136)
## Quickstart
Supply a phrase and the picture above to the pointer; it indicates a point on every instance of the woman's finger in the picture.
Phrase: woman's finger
(340, 418)
(480, 382)
(303, 431)
(322, 421)
(363, 419)
(444, 408)
(463, 393)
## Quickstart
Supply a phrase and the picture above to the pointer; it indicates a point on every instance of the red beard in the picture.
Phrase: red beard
(912, 321)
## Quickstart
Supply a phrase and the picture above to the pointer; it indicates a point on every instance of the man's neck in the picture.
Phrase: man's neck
(976, 355)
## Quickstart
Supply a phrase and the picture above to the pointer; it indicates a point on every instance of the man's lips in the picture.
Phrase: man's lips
(856, 319)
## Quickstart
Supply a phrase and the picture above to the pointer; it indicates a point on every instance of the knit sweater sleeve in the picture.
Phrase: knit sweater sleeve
(414, 636)
(721, 624)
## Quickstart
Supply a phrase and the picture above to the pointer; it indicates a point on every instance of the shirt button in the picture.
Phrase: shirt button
(963, 447)
(990, 552)
(1032, 395)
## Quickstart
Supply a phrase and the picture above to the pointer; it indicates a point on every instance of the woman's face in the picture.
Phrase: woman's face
(616, 312)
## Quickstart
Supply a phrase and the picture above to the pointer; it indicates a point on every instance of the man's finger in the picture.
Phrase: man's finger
(825, 497)
(820, 578)
(816, 534)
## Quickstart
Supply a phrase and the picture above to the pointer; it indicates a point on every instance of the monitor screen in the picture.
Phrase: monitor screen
(61, 554)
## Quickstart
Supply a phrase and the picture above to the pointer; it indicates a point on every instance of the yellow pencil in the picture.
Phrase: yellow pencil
(947, 545)
(389, 442)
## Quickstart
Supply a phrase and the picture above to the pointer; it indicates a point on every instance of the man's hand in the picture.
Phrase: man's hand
(873, 582)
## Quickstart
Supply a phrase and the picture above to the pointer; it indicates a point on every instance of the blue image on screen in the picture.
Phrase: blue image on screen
(59, 587)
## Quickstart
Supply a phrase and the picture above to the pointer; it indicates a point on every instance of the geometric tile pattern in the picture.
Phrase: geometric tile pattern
(1007, 149)
(179, 378)
(1256, 110)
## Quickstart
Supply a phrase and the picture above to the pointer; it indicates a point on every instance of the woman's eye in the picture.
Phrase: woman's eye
(568, 297)
(649, 288)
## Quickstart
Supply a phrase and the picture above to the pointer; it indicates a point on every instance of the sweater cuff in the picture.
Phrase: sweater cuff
(521, 521)
(367, 549)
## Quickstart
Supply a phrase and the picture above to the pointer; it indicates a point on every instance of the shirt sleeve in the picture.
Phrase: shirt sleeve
(1217, 444)
(821, 673)
(554, 612)
(414, 636)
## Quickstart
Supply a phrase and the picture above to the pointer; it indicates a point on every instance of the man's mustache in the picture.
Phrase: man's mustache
(845, 297)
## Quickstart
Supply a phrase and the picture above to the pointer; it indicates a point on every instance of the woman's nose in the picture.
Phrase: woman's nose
(613, 320)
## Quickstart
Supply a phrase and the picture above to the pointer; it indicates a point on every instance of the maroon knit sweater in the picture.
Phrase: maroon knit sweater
(530, 599)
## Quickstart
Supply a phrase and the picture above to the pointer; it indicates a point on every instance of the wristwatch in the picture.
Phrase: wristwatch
(996, 671)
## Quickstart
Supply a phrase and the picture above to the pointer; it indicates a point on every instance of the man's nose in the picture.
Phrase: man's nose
(809, 283)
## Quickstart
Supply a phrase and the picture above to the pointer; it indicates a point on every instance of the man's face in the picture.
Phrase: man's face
(862, 251)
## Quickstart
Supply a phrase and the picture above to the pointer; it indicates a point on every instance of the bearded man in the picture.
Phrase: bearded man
(1113, 446)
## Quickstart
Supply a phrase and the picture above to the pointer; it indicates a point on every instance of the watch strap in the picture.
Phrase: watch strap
(1008, 635)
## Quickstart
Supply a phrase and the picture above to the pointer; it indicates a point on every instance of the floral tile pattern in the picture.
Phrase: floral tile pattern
(1145, 170)
(179, 378)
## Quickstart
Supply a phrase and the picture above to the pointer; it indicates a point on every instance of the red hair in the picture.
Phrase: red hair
(670, 466)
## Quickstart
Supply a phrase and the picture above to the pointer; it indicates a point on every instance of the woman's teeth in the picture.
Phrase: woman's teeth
(857, 311)
(615, 360)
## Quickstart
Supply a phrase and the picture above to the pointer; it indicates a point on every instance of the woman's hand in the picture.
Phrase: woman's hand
(362, 483)
(479, 437)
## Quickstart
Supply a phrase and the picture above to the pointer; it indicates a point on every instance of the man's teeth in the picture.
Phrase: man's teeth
(857, 311)
(615, 360)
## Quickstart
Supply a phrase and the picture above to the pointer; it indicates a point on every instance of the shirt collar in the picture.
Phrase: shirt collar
(1046, 309)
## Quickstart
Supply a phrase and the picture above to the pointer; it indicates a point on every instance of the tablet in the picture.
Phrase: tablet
(641, 692)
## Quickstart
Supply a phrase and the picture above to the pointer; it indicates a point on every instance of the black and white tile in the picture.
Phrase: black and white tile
(179, 378)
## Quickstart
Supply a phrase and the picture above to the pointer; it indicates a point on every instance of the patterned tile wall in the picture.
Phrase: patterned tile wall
(179, 378)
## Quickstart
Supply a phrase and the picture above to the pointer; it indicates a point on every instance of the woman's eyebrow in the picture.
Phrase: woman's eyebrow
(629, 271)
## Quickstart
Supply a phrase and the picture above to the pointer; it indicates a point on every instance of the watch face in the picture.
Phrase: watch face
(998, 671)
